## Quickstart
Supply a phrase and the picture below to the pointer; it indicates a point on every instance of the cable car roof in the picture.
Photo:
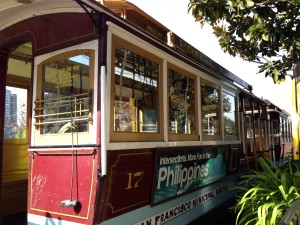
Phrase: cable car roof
(13, 11)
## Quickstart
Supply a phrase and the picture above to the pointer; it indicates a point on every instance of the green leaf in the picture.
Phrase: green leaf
(250, 3)
(277, 212)
(265, 37)
(218, 31)
(284, 195)
(267, 195)
(258, 31)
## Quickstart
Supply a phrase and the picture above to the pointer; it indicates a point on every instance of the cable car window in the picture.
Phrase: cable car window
(182, 109)
(136, 93)
(210, 109)
(229, 116)
(15, 118)
(64, 102)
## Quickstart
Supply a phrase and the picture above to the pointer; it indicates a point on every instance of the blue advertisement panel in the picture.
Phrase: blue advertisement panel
(180, 170)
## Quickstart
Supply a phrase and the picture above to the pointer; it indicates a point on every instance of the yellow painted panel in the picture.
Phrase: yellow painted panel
(15, 162)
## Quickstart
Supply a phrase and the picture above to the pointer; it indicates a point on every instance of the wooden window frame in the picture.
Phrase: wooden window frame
(236, 136)
(117, 136)
(22, 83)
(184, 137)
(218, 137)
(79, 138)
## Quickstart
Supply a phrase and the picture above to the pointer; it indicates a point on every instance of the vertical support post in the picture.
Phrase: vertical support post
(242, 118)
(295, 121)
(3, 71)
(104, 123)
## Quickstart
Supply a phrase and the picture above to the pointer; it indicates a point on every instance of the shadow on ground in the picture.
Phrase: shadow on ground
(18, 219)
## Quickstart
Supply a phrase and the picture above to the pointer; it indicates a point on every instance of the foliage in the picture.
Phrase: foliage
(268, 194)
(262, 31)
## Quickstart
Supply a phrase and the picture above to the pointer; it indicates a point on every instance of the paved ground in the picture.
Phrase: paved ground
(218, 216)
(217, 220)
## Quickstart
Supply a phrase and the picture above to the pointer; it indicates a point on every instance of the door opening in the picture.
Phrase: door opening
(16, 133)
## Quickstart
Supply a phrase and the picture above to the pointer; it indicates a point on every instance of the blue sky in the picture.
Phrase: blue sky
(174, 15)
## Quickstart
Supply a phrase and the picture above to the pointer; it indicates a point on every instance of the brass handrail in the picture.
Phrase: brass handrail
(63, 121)
(63, 113)
(60, 98)
(58, 106)
(80, 102)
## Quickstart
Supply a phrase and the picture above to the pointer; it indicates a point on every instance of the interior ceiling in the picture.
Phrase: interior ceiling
(22, 52)
(12, 11)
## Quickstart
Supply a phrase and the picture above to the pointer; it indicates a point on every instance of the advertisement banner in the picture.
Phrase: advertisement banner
(180, 170)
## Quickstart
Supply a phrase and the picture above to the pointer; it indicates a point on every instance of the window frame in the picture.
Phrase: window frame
(117, 136)
(235, 95)
(206, 137)
(66, 139)
(22, 83)
(183, 137)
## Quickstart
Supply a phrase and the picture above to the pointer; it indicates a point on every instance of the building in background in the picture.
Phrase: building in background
(11, 116)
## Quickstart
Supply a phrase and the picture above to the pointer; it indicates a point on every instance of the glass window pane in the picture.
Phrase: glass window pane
(285, 129)
(210, 110)
(276, 128)
(229, 114)
(15, 113)
(66, 97)
(136, 103)
(181, 104)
